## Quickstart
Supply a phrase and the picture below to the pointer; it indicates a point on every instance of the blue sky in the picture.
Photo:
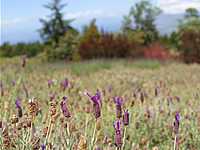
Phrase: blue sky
(20, 18)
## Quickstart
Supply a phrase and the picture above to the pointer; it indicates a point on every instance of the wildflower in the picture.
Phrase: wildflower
(14, 119)
(126, 117)
(17, 102)
(96, 107)
(176, 123)
(117, 137)
(26, 91)
(32, 104)
(35, 142)
(82, 145)
(72, 84)
(148, 113)
(104, 90)
(118, 107)
(49, 83)
(65, 110)
(13, 82)
(110, 87)
(177, 98)
(42, 147)
(51, 96)
(98, 148)
(142, 97)
(156, 90)
(105, 139)
(134, 94)
(24, 60)
(150, 135)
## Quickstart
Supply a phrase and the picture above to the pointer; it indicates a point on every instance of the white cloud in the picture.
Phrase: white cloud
(13, 21)
(88, 14)
(177, 6)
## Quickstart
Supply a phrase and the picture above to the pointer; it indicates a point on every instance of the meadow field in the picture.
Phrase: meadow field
(74, 105)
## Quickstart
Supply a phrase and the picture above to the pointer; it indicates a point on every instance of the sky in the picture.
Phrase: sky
(20, 18)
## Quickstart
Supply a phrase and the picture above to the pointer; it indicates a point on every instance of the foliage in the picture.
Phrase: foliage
(92, 44)
(156, 51)
(30, 49)
(144, 15)
(190, 47)
(191, 13)
(56, 27)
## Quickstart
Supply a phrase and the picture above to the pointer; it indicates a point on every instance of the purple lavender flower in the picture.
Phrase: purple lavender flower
(49, 83)
(176, 123)
(126, 117)
(72, 84)
(17, 102)
(105, 139)
(98, 148)
(142, 97)
(156, 90)
(177, 98)
(118, 107)
(110, 87)
(117, 137)
(42, 147)
(134, 94)
(96, 107)
(148, 113)
(24, 60)
(13, 82)
(51, 96)
(104, 90)
(150, 135)
(139, 89)
(65, 110)
(26, 91)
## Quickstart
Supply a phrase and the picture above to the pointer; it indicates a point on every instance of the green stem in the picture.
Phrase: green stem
(92, 141)
(175, 142)
(124, 138)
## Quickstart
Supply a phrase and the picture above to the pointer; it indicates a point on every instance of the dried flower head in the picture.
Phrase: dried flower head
(32, 103)
(14, 119)
(82, 145)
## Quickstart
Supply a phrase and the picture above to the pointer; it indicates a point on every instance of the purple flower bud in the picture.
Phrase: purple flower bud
(176, 123)
(24, 60)
(105, 139)
(13, 82)
(17, 102)
(42, 147)
(104, 90)
(150, 135)
(177, 98)
(156, 90)
(148, 113)
(117, 137)
(65, 110)
(98, 148)
(72, 84)
(110, 87)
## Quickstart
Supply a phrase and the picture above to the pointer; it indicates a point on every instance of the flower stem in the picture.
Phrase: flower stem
(124, 138)
(175, 142)
(92, 141)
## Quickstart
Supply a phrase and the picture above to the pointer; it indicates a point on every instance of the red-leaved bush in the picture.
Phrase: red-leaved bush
(157, 51)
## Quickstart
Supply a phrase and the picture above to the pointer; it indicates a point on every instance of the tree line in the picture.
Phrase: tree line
(138, 37)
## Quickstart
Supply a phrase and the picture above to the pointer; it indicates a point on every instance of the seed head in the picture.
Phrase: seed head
(14, 119)
(32, 103)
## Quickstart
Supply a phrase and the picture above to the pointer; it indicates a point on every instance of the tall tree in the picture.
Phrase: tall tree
(144, 16)
(56, 27)
(191, 13)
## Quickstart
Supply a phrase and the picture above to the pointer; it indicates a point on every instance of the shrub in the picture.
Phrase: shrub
(156, 51)
(190, 47)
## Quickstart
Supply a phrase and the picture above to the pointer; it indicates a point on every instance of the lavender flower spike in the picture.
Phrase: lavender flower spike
(117, 137)
(126, 117)
(176, 123)
(17, 102)
(118, 107)
(96, 107)
(42, 147)
(64, 108)
(24, 60)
